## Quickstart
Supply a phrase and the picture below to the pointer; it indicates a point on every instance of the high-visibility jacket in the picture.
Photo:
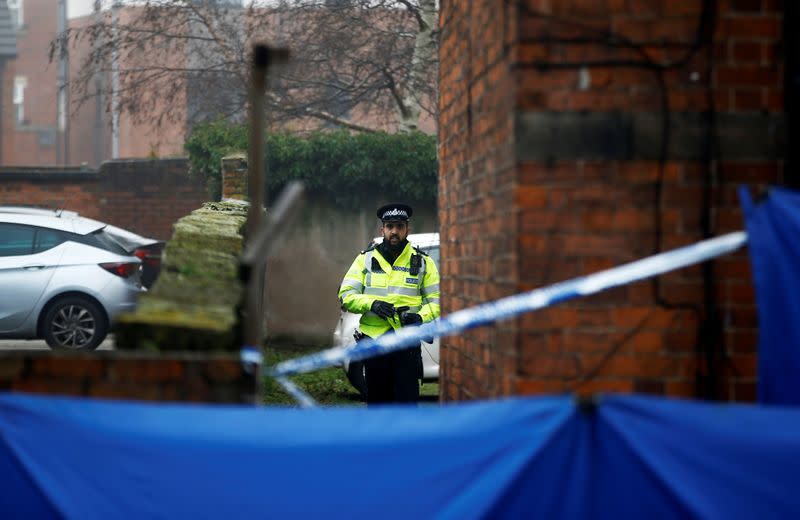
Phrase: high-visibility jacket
(372, 277)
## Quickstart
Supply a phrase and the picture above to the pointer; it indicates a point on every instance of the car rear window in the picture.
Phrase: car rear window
(21, 239)
(16, 239)
(108, 242)
(47, 239)
(99, 239)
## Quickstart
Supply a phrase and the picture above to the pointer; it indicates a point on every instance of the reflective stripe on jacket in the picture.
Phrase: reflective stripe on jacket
(394, 283)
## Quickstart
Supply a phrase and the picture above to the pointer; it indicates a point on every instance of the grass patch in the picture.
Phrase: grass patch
(328, 386)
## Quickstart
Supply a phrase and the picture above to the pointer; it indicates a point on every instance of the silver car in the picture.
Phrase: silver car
(63, 277)
(348, 323)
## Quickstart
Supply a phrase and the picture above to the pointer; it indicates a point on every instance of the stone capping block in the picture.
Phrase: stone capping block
(234, 178)
(194, 303)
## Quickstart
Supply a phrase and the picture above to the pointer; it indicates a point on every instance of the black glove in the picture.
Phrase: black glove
(382, 309)
(410, 318)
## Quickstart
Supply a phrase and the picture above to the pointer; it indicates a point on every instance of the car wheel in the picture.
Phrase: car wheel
(74, 323)
(355, 374)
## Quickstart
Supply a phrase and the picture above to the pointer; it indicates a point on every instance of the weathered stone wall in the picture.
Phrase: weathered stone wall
(303, 277)
(195, 300)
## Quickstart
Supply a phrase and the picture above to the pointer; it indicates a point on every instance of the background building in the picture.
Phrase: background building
(68, 127)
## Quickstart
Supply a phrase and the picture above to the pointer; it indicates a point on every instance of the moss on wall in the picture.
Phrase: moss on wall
(193, 305)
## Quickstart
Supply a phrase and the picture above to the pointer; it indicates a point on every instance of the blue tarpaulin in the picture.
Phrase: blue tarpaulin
(630, 457)
(773, 229)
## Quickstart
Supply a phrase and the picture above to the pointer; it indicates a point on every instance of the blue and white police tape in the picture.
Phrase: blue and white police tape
(302, 398)
(518, 304)
(252, 358)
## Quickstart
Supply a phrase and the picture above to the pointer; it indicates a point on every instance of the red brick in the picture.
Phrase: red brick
(688, 100)
(649, 386)
(680, 389)
(532, 387)
(736, 268)
(11, 368)
(68, 367)
(146, 370)
(600, 386)
(538, 81)
(647, 342)
(774, 101)
(743, 317)
(682, 8)
(745, 392)
(748, 6)
(741, 293)
(595, 264)
(746, 75)
(105, 389)
(742, 341)
(745, 365)
(49, 386)
(594, 244)
(553, 317)
(640, 366)
(531, 197)
(581, 341)
(588, 317)
(746, 52)
(550, 367)
(223, 369)
(766, 26)
(680, 341)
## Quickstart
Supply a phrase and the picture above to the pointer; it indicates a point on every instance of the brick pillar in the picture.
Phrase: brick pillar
(554, 163)
(234, 178)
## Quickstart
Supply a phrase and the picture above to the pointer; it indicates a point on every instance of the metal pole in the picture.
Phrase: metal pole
(255, 160)
(62, 105)
(263, 56)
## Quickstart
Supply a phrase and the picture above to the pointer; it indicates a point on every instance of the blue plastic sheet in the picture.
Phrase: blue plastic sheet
(630, 457)
(773, 229)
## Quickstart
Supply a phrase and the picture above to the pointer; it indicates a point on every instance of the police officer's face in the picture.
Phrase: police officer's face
(394, 231)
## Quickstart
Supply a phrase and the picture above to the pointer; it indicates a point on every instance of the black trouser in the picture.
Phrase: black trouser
(394, 377)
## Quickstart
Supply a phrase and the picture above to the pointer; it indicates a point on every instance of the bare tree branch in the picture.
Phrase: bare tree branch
(354, 62)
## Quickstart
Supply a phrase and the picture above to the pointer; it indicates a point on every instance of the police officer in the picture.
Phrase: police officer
(392, 285)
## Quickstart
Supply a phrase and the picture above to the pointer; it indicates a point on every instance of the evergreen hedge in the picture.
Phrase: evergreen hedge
(336, 165)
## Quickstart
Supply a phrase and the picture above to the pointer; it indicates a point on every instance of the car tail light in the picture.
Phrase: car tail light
(123, 269)
(147, 257)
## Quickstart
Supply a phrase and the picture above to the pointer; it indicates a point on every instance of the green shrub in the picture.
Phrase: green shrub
(336, 165)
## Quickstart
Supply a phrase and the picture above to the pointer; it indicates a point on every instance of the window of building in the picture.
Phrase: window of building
(20, 82)
(15, 8)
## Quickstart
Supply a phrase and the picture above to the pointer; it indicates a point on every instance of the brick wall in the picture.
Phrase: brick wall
(187, 377)
(554, 164)
(143, 196)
